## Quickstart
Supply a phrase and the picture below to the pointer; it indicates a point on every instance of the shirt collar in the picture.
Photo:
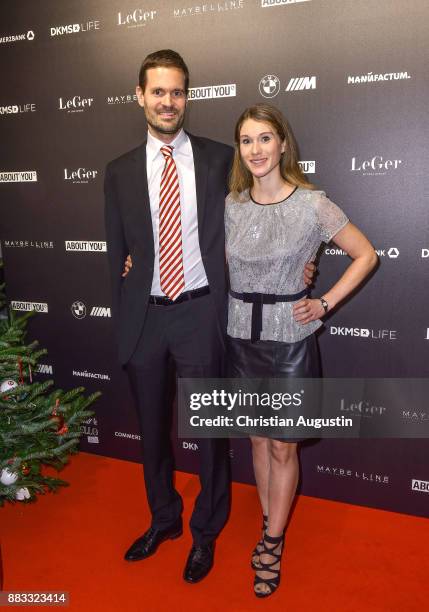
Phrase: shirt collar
(180, 144)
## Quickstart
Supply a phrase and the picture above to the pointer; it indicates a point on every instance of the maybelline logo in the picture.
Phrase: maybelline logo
(44, 368)
(376, 166)
(391, 253)
(370, 77)
(339, 471)
(86, 374)
(81, 175)
(212, 91)
(420, 485)
(208, 7)
(27, 306)
(22, 176)
(135, 19)
(126, 99)
(15, 109)
(79, 310)
(28, 244)
(17, 37)
(75, 28)
(415, 417)
(301, 83)
(269, 86)
(90, 429)
(77, 104)
(361, 408)
(192, 446)
(267, 3)
(356, 332)
(96, 246)
(308, 167)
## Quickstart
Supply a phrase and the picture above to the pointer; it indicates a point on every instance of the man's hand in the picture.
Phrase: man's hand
(127, 265)
(308, 310)
(309, 272)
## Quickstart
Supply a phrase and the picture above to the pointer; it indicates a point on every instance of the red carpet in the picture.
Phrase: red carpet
(338, 557)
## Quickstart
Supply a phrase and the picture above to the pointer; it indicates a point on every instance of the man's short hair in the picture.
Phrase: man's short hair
(167, 59)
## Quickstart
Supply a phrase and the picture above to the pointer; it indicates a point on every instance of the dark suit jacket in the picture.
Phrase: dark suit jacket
(129, 230)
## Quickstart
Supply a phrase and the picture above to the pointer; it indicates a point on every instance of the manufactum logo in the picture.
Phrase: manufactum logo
(308, 167)
(420, 485)
(81, 175)
(77, 104)
(126, 99)
(370, 77)
(79, 310)
(15, 109)
(86, 374)
(344, 472)
(268, 3)
(209, 7)
(392, 253)
(135, 19)
(376, 166)
(28, 244)
(96, 246)
(27, 306)
(44, 368)
(75, 28)
(301, 83)
(212, 91)
(21, 176)
(356, 332)
(269, 86)
(17, 37)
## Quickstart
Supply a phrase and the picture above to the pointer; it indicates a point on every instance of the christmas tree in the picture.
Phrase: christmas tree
(38, 426)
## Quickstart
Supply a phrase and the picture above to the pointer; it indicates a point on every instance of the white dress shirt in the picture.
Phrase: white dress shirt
(193, 268)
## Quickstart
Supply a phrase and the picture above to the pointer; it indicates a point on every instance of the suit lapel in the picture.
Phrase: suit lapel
(201, 176)
(142, 204)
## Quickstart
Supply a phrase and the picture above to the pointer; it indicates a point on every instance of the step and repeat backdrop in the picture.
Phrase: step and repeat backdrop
(350, 76)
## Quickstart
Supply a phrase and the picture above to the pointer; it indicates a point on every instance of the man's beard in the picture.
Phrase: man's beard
(167, 129)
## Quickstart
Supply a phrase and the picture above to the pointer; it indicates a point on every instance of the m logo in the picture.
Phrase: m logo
(44, 368)
(100, 311)
(301, 83)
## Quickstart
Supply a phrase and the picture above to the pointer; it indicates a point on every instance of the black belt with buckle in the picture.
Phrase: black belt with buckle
(258, 299)
(160, 300)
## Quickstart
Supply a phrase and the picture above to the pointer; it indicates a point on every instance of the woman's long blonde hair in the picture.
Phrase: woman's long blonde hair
(241, 178)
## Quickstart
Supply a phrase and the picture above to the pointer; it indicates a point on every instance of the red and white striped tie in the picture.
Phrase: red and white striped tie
(170, 229)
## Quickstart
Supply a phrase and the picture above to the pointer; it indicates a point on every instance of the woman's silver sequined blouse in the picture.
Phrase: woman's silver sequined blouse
(267, 247)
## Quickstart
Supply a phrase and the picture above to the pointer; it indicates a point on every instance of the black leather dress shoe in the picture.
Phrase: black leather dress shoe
(148, 543)
(199, 563)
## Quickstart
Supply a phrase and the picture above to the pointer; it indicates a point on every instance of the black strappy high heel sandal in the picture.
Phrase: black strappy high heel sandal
(260, 545)
(273, 581)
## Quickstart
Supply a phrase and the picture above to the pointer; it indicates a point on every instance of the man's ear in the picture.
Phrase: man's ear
(140, 96)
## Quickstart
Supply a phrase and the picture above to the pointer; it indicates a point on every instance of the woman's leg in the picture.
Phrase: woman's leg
(261, 466)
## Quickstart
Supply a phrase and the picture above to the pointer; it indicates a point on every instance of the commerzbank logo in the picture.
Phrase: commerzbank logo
(18, 37)
(390, 253)
(209, 92)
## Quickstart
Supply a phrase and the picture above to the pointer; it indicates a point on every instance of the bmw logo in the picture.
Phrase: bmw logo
(269, 86)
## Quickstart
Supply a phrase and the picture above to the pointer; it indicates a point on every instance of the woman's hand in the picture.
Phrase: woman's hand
(308, 310)
(127, 265)
(310, 270)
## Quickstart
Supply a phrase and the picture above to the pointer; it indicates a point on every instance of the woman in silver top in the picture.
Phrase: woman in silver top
(275, 222)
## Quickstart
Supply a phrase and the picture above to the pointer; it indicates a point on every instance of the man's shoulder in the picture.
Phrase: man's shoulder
(124, 159)
(213, 146)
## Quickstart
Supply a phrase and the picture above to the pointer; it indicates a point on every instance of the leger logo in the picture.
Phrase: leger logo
(81, 175)
(77, 104)
(136, 18)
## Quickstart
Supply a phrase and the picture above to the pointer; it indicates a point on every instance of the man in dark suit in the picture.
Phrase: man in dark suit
(165, 207)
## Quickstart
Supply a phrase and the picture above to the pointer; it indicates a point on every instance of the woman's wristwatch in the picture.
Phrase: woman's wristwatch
(324, 304)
